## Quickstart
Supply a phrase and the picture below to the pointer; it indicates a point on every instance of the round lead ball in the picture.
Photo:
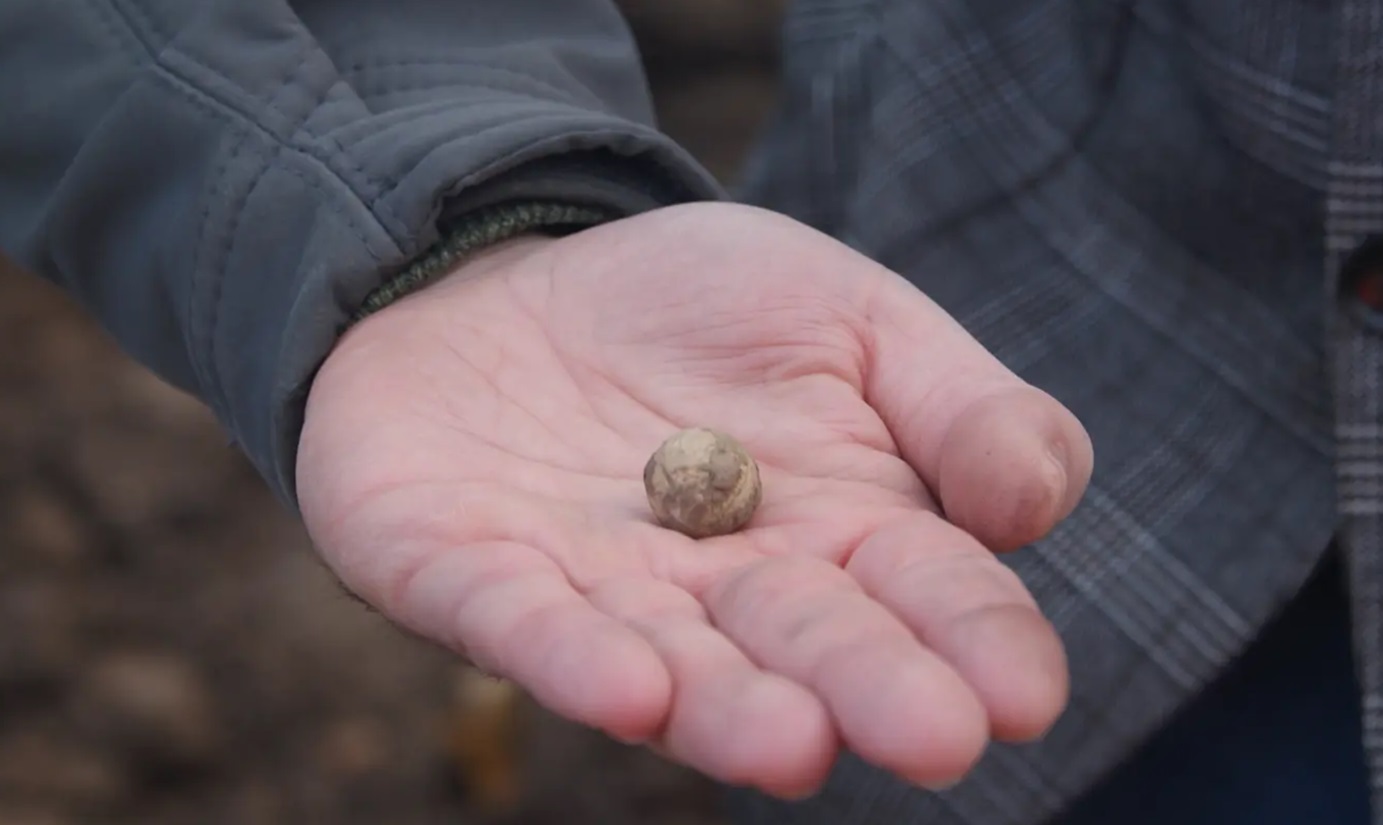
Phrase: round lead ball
(702, 483)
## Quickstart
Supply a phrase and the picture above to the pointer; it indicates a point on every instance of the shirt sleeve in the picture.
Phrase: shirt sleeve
(222, 183)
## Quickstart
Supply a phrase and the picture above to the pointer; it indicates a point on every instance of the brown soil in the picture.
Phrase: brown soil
(171, 653)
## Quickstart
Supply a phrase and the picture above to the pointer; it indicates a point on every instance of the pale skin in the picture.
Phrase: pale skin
(471, 465)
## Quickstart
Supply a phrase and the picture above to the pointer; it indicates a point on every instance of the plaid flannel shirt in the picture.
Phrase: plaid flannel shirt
(1152, 209)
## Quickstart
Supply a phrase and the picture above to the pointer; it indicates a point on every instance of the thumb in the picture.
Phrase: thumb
(1005, 459)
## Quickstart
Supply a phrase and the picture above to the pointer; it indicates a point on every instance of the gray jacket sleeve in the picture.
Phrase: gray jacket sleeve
(223, 183)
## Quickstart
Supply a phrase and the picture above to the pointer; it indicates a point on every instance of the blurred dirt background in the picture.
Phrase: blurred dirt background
(170, 652)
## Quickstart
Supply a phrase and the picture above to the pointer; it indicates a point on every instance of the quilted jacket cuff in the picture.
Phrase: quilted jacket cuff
(554, 196)
(476, 231)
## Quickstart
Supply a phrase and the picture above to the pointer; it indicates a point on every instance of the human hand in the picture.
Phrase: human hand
(471, 465)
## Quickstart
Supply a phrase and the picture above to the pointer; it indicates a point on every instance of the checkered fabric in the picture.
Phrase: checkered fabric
(1146, 209)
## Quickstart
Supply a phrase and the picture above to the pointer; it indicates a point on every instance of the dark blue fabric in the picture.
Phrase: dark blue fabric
(1275, 741)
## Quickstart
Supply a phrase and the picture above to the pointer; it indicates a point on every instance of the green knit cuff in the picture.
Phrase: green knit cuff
(478, 231)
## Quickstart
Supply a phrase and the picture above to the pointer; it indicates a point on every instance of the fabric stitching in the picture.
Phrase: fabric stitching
(231, 113)
(111, 24)
(264, 161)
(191, 94)
(135, 9)
(363, 67)
(203, 331)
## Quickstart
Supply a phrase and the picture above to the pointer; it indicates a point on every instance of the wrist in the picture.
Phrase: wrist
(474, 237)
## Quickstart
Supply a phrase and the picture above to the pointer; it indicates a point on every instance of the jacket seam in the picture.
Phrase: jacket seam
(281, 144)
(191, 89)
(204, 352)
(361, 131)
(133, 9)
(586, 129)
(383, 188)
(193, 302)
(358, 69)
(264, 161)
(374, 193)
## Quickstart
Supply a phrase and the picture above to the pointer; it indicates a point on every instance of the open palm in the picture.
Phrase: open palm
(472, 465)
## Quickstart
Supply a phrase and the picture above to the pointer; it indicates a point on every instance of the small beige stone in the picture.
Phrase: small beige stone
(702, 483)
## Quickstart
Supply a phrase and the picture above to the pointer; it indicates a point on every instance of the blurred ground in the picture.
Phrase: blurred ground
(171, 654)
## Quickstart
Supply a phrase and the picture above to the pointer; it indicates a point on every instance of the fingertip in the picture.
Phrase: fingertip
(1012, 467)
(806, 737)
(615, 682)
(788, 741)
(955, 737)
(924, 723)
(1014, 660)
